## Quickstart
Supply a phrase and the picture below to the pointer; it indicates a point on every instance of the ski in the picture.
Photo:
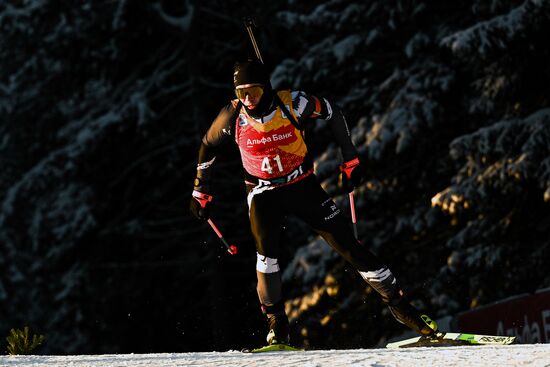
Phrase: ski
(273, 348)
(453, 339)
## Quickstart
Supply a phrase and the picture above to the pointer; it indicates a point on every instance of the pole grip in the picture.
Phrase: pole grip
(202, 198)
(349, 166)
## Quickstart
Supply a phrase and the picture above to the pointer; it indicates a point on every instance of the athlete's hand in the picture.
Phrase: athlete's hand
(199, 205)
(351, 174)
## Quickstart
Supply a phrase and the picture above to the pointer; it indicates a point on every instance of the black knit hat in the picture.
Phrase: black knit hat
(250, 72)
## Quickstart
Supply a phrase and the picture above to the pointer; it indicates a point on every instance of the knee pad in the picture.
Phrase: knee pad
(269, 282)
(383, 282)
(267, 265)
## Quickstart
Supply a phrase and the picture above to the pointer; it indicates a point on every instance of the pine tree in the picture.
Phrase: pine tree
(21, 342)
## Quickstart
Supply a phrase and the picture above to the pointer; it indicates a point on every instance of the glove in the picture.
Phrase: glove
(351, 174)
(199, 205)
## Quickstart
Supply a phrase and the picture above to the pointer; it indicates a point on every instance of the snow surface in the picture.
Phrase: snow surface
(512, 355)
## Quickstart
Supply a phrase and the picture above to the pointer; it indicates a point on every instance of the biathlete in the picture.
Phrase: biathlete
(267, 126)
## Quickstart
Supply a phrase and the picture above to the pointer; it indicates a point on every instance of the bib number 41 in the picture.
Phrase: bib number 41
(266, 165)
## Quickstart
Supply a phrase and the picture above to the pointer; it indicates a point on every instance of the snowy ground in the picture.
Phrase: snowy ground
(513, 355)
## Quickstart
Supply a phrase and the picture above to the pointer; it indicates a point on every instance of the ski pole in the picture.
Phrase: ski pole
(353, 217)
(204, 199)
(249, 22)
(232, 249)
(346, 169)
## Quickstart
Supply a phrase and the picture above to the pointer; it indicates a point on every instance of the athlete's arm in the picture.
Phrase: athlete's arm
(218, 133)
(308, 107)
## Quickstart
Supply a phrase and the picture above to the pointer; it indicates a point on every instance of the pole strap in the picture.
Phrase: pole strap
(349, 166)
(202, 198)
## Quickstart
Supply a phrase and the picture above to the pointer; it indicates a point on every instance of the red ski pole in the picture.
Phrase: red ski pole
(346, 169)
(232, 249)
(203, 199)
(353, 217)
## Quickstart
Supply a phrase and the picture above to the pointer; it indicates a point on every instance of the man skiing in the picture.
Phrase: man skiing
(267, 126)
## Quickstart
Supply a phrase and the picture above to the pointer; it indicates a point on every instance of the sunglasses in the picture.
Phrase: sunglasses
(254, 92)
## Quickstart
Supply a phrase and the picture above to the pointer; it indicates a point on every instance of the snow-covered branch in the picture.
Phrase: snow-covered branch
(499, 32)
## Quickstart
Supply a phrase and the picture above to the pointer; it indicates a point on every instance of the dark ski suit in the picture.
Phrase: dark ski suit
(280, 181)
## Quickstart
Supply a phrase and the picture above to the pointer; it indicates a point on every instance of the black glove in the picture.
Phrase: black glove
(199, 205)
(351, 174)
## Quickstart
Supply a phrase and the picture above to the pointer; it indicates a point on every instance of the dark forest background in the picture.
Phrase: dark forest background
(102, 107)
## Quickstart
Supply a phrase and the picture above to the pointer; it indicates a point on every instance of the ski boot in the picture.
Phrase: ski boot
(278, 329)
(406, 314)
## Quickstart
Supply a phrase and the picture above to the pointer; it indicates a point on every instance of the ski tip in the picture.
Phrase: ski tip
(453, 339)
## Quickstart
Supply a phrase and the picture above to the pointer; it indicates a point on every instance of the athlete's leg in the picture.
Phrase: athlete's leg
(313, 205)
(266, 218)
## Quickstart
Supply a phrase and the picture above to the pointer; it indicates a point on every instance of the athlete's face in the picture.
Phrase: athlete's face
(249, 94)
